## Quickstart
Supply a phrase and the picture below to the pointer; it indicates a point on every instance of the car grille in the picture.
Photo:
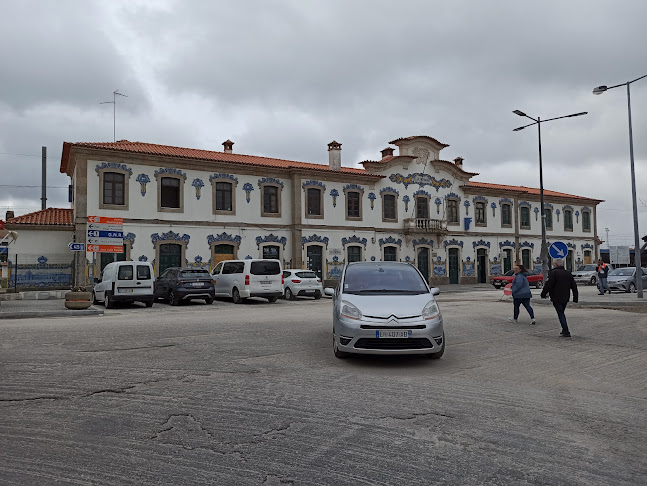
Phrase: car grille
(387, 343)
(403, 326)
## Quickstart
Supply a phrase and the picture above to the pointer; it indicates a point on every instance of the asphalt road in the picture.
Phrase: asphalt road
(252, 394)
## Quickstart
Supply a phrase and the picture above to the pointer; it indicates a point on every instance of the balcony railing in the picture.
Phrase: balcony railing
(424, 225)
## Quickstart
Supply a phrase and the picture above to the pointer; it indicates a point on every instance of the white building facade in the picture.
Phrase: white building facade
(195, 207)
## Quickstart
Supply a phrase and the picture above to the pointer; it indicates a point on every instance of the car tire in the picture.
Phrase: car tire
(632, 288)
(209, 300)
(497, 286)
(288, 294)
(149, 303)
(94, 298)
(172, 298)
(235, 296)
(317, 295)
(539, 284)
(107, 301)
(440, 353)
(335, 349)
(593, 281)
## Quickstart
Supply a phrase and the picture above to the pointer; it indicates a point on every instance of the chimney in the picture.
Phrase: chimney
(334, 155)
(229, 145)
(387, 152)
(459, 162)
(9, 215)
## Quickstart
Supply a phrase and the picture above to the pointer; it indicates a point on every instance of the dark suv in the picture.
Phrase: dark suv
(177, 284)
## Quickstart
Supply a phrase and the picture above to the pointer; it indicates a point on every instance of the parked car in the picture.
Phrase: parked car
(179, 284)
(240, 279)
(385, 308)
(301, 283)
(624, 279)
(124, 282)
(587, 273)
(534, 278)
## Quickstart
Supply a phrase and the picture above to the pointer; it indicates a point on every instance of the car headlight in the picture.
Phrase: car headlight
(350, 311)
(430, 311)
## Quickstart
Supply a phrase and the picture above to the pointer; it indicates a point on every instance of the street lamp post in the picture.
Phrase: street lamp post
(598, 91)
(538, 121)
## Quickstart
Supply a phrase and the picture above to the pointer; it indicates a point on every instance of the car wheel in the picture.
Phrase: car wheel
(440, 353)
(632, 288)
(271, 300)
(288, 294)
(108, 302)
(94, 298)
(593, 281)
(208, 300)
(317, 295)
(149, 303)
(172, 298)
(335, 349)
(539, 284)
(497, 287)
(235, 296)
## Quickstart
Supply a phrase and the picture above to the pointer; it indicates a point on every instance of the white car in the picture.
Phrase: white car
(301, 283)
(240, 279)
(125, 282)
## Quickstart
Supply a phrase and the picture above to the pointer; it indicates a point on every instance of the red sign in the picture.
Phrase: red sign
(105, 248)
(105, 220)
(507, 290)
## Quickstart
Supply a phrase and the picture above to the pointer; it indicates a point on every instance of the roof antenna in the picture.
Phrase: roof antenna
(114, 111)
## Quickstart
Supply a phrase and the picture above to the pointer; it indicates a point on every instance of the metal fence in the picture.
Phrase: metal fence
(40, 272)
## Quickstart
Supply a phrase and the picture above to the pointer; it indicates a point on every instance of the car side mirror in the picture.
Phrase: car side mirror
(329, 291)
(435, 291)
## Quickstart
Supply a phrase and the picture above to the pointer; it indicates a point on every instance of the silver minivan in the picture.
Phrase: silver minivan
(125, 282)
(240, 279)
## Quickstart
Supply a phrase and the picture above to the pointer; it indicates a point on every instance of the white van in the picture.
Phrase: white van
(240, 279)
(125, 282)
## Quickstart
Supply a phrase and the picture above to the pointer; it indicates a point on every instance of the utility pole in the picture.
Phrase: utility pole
(43, 192)
(607, 231)
(114, 112)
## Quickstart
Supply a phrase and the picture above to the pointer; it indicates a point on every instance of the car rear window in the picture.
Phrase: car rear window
(306, 275)
(194, 274)
(380, 278)
(143, 272)
(125, 272)
(265, 268)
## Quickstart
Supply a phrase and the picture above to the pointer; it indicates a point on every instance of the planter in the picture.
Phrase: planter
(78, 300)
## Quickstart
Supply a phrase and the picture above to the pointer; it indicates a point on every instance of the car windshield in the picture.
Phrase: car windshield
(625, 272)
(586, 268)
(509, 273)
(383, 278)
(194, 274)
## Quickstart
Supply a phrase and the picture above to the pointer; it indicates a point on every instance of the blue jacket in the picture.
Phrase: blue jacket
(521, 287)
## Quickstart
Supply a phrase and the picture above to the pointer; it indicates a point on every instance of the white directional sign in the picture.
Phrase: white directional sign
(105, 234)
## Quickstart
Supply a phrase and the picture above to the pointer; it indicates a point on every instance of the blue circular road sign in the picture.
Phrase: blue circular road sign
(558, 249)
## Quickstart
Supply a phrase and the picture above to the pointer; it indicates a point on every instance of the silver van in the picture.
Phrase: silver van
(125, 282)
(240, 279)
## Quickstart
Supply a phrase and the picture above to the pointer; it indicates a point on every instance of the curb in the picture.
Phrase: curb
(56, 313)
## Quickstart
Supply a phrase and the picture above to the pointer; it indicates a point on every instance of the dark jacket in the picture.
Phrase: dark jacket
(559, 286)
(521, 287)
(603, 270)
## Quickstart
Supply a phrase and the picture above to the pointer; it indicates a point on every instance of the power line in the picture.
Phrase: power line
(48, 187)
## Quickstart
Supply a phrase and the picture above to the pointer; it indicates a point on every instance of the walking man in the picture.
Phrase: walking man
(603, 272)
(559, 286)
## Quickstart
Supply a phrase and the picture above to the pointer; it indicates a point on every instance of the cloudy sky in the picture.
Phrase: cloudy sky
(282, 78)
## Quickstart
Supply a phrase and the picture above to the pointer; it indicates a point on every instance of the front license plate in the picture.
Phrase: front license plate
(125, 291)
(394, 334)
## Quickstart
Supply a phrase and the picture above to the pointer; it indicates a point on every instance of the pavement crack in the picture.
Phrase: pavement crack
(138, 348)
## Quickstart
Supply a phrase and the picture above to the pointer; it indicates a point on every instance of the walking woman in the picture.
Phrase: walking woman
(521, 293)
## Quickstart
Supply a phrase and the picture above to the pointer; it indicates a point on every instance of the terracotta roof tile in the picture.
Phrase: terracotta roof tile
(402, 139)
(49, 216)
(187, 153)
(528, 190)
